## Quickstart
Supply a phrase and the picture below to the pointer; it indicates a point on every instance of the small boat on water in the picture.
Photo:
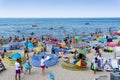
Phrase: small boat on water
(87, 23)
(18, 31)
(32, 33)
(51, 28)
(34, 25)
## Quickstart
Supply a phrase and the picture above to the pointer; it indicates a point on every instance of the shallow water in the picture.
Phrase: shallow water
(57, 27)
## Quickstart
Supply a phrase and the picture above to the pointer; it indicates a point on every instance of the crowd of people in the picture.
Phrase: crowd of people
(67, 41)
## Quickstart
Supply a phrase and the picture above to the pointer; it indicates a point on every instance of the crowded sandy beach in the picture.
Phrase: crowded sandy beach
(59, 39)
(79, 57)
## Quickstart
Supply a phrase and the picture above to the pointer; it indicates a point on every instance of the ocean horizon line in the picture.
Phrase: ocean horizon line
(57, 17)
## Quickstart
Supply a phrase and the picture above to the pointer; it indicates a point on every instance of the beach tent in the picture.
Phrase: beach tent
(49, 47)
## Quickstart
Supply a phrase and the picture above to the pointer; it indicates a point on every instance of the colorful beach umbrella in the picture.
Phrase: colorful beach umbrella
(83, 51)
(80, 63)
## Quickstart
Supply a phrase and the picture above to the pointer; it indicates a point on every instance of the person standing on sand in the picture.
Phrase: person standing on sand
(95, 65)
(26, 51)
(18, 70)
(43, 59)
(28, 65)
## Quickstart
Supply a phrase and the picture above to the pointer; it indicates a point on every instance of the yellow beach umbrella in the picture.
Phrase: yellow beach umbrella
(118, 31)
(99, 37)
(38, 49)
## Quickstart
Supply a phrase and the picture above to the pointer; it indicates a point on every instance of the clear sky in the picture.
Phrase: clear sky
(59, 8)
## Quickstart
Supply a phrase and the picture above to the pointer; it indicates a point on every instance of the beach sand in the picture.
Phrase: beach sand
(58, 71)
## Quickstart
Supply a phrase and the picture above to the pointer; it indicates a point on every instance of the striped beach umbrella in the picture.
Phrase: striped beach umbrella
(81, 63)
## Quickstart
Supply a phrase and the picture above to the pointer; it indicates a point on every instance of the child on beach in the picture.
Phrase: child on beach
(43, 64)
(18, 70)
(28, 66)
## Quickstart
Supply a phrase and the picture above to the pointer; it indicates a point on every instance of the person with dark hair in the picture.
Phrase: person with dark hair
(75, 54)
(18, 69)
(23, 38)
(26, 51)
(81, 56)
(95, 64)
(97, 49)
(43, 59)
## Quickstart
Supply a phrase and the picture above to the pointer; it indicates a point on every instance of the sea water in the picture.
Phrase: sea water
(58, 27)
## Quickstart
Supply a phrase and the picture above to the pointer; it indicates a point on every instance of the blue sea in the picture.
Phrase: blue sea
(58, 27)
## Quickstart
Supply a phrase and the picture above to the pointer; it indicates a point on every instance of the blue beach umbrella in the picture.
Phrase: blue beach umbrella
(16, 56)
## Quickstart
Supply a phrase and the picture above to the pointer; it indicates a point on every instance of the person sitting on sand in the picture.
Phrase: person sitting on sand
(107, 65)
(75, 54)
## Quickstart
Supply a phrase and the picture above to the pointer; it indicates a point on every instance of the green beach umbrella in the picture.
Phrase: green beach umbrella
(77, 37)
(83, 51)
